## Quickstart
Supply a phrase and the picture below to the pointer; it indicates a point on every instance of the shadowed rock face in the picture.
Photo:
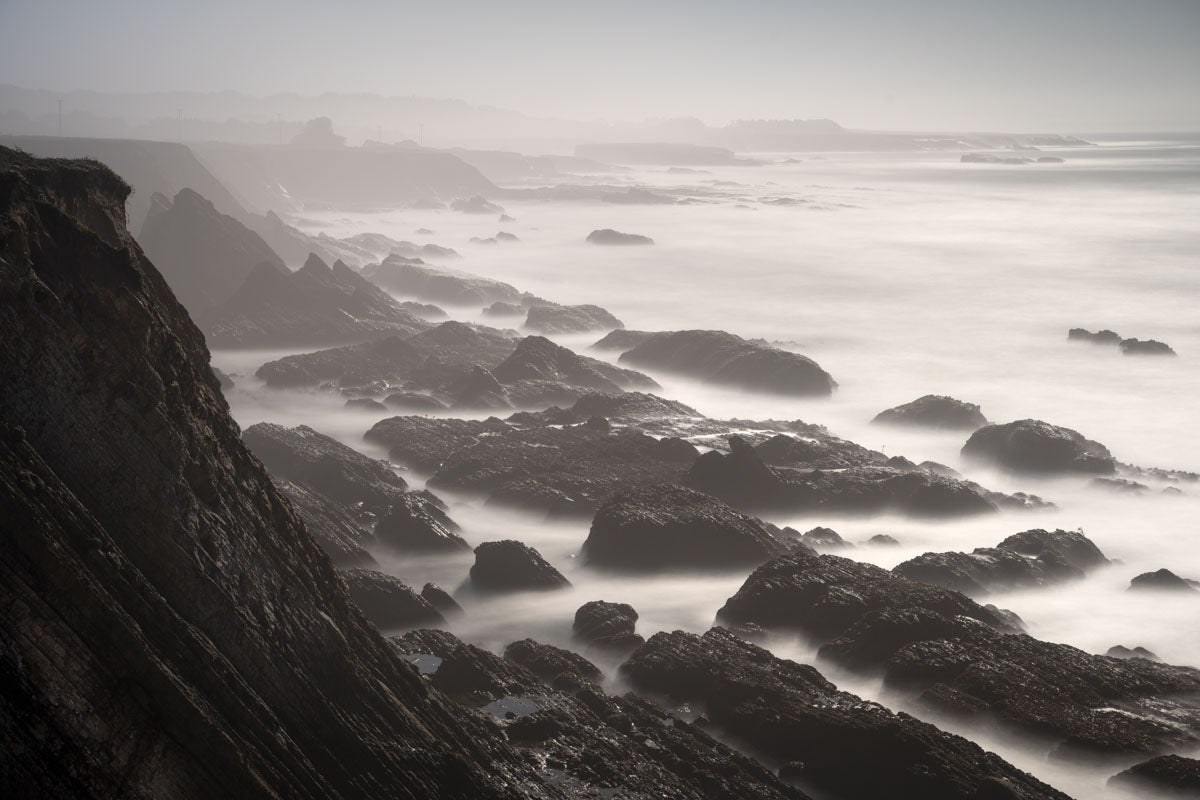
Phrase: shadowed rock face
(607, 625)
(727, 359)
(1165, 776)
(794, 716)
(403, 276)
(315, 305)
(171, 629)
(204, 255)
(539, 359)
(671, 527)
(388, 602)
(1163, 580)
(1030, 445)
(414, 524)
(934, 411)
(510, 565)
(1024, 560)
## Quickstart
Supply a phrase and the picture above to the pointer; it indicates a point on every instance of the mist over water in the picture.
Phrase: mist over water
(902, 275)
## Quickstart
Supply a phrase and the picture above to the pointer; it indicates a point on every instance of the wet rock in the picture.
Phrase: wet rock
(792, 715)
(203, 254)
(607, 236)
(592, 744)
(1163, 776)
(607, 625)
(556, 319)
(723, 358)
(390, 359)
(825, 595)
(415, 525)
(1030, 445)
(424, 443)
(672, 527)
(388, 602)
(934, 411)
(441, 600)
(1084, 705)
(1120, 651)
(1163, 580)
(510, 565)
(1146, 347)
(1033, 558)
(434, 285)
(1100, 337)
(316, 305)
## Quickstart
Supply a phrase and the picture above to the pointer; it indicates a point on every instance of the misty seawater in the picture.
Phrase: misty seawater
(902, 275)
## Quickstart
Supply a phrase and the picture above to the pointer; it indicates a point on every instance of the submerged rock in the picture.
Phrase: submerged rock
(727, 359)
(510, 565)
(826, 738)
(388, 602)
(671, 527)
(934, 411)
(610, 237)
(1030, 445)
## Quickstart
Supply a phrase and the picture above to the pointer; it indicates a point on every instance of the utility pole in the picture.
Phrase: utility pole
(179, 121)
(60, 119)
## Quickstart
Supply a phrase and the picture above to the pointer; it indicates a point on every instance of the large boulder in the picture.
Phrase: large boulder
(1099, 337)
(536, 358)
(1030, 445)
(610, 237)
(830, 740)
(607, 625)
(554, 665)
(672, 527)
(723, 358)
(934, 411)
(1162, 776)
(1024, 560)
(554, 319)
(1163, 580)
(509, 565)
(1145, 347)
(388, 602)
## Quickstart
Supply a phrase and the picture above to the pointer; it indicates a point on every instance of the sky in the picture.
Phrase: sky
(1061, 65)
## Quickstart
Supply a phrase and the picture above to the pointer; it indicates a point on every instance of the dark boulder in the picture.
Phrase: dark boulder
(1162, 776)
(832, 741)
(417, 280)
(934, 411)
(622, 340)
(824, 539)
(1163, 580)
(1030, 445)
(1100, 337)
(415, 525)
(554, 665)
(555, 319)
(440, 599)
(607, 625)
(731, 360)
(610, 237)
(509, 565)
(671, 527)
(388, 602)
(536, 358)
(368, 404)
(1145, 347)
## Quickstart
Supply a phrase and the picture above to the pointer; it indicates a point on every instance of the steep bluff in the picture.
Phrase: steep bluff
(168, 627)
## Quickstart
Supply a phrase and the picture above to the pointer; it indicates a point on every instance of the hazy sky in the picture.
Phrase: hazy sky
(1064, 65)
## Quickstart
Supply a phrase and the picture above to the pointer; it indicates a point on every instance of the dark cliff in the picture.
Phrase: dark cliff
(169, 628)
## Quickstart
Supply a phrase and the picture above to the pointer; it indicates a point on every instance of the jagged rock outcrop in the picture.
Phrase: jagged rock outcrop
(413, 524)
(934, 411)
(538, 360)
(1162, 776)
(607, 625)
(1120, 651)
(509, 565)
(596, 745)
(552, 318)
(170, 625)
(204, 255)
(440, 599)
(388, 602)
(671, 527)
(417, 280)
(1024, 560)
(1145, 347)
(1163, 580)
(723, 358)
(1030, 445)
(622, 340)
(607, 236)
(820, 538)
(824, 737)
(315, 305)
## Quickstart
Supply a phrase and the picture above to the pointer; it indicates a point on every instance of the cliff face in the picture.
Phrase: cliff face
(168, 626)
